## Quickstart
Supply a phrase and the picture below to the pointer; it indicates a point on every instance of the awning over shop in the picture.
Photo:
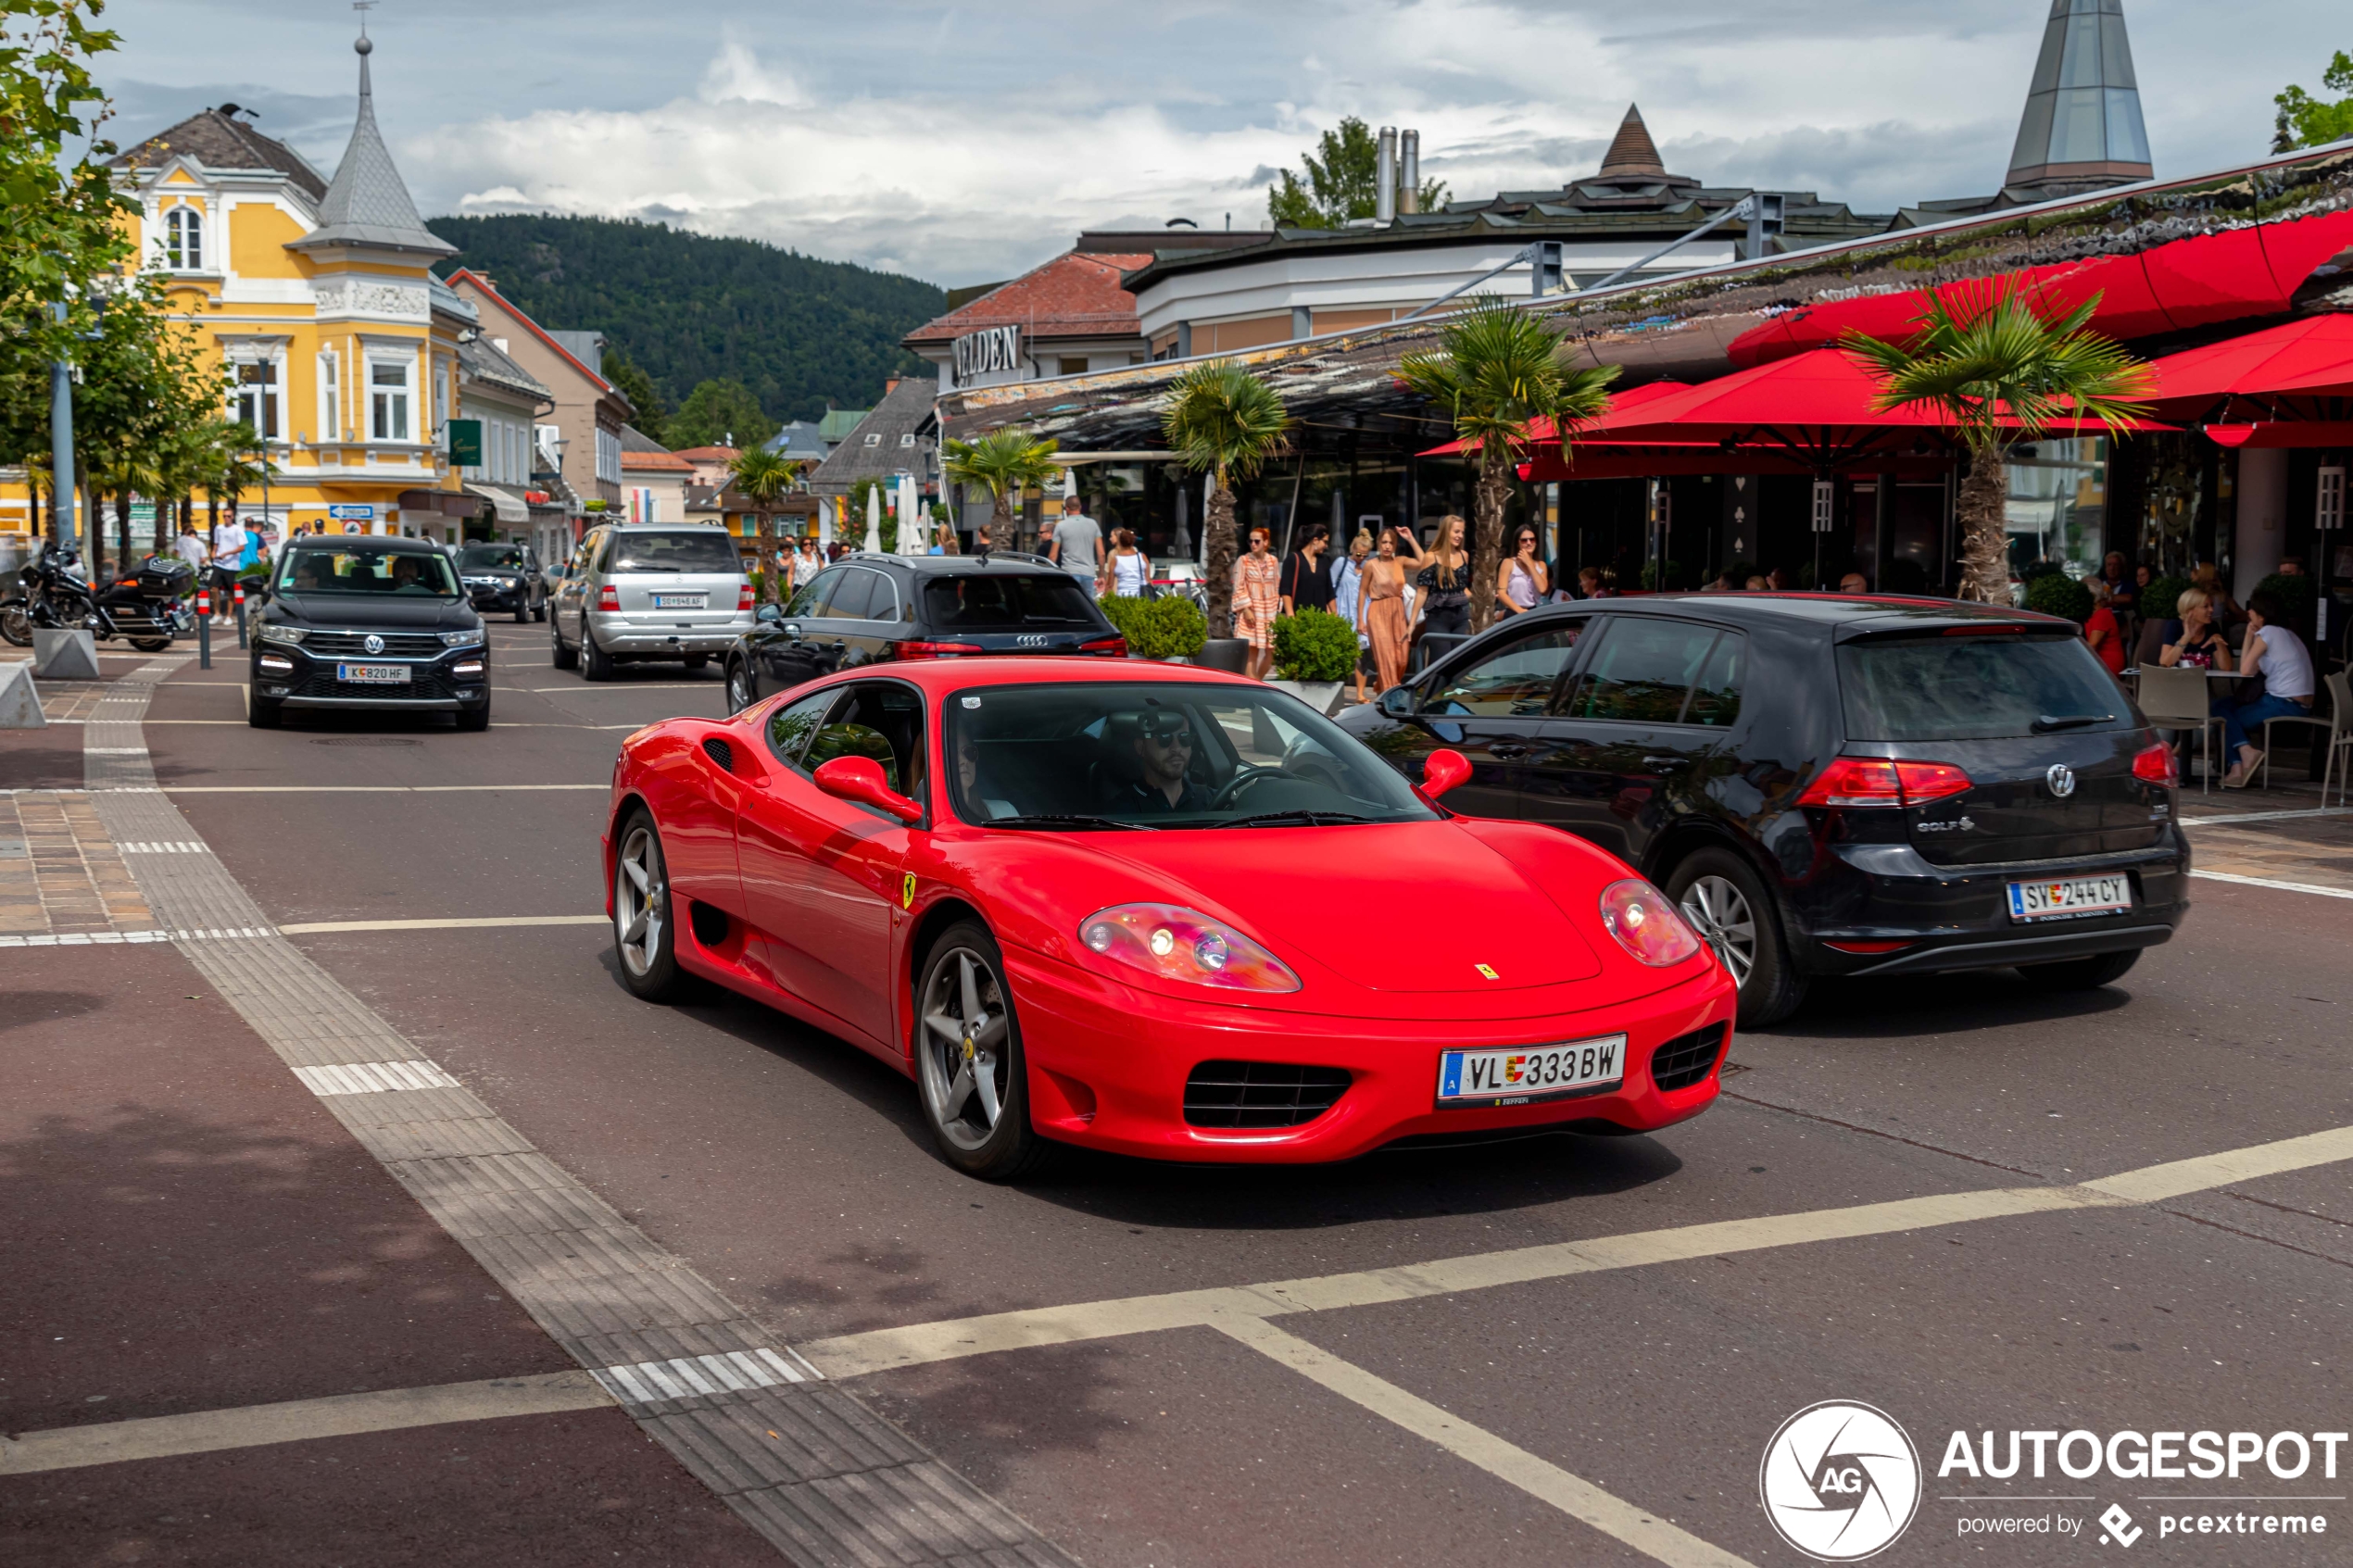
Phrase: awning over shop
(508, 506)
(2288, 386)
(1540, 432)
(445, 503)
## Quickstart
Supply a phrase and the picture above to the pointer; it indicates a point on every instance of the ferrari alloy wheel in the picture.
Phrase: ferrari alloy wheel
(968, 1059)
(1726, 902)
(642, 937)
(1724, 922)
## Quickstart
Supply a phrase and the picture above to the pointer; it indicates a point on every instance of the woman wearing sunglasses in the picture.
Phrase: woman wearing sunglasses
(1522, 583)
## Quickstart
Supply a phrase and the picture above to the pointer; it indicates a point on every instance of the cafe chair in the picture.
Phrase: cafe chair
(2178, 699)
(2340, 737)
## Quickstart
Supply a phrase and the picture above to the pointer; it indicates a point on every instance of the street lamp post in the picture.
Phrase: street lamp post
(61, 487)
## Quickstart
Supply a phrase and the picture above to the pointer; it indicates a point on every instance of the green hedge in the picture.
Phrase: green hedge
(2055, 592)
(1314, 644)
(1167, 627)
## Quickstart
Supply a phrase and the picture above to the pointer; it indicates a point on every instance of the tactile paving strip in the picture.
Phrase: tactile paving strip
(806, 1464)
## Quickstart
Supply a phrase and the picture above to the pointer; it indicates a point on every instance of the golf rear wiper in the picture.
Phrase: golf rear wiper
(1043, 820)
(1295, 819)
(2050, 721)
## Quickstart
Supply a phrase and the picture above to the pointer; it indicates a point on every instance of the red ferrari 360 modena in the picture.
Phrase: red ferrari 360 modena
(1152, 909)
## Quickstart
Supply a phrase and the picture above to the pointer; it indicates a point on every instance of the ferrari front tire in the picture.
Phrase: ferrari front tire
(969, 1071)
(644, 942)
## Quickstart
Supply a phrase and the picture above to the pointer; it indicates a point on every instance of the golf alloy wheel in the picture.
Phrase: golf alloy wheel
(1719, 912)
(967, 1067)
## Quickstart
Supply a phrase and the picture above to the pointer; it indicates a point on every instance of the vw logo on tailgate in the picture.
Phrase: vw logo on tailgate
(2061, 779)
(376, 645)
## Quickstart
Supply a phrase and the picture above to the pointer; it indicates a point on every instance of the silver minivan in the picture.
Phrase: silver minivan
(644, 591)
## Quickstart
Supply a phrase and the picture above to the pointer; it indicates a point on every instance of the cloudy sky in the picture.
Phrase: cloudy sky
(965, 142)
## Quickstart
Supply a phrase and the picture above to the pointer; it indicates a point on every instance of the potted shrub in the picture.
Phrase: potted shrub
(1315, 653)
(1170, 628)
(2055, 592)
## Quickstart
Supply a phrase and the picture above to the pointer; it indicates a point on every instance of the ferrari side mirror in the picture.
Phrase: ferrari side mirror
(1444, 769)
(859, 779)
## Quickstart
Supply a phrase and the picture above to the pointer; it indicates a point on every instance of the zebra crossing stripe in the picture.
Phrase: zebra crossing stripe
(645, 1383)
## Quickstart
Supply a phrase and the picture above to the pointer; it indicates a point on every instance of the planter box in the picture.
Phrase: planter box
(1229, 654)
(1321, 696)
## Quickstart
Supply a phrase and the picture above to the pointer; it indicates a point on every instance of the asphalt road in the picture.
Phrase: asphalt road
(793, 1172)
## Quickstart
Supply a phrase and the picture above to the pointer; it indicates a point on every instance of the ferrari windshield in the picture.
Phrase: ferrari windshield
(355, 570)
(1133, 754)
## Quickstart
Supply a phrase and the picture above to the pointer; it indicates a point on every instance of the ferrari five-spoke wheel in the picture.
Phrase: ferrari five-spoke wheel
(968, 1059)
(641, 928)
(1724, 922)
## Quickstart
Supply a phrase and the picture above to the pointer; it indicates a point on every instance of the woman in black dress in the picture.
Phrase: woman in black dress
(1442, 575)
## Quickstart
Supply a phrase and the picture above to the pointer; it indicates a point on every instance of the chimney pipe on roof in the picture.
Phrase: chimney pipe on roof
(1385, 178)
(1409, 173)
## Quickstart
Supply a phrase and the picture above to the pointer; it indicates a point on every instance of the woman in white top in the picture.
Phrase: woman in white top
(1127, 567)
(2279, 655)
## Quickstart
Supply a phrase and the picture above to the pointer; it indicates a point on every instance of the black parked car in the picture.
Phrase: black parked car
(1826, 786)
(377, 624)
(504, 577)
(868, 610)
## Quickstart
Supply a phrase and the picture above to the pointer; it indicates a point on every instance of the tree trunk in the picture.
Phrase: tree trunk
(1001, 521)
(122, 533)
(1217, 540)
(1982, 510)
(1487, 499)
(768, 587)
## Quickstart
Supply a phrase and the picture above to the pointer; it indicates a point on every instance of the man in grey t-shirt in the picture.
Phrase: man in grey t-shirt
(1077, 546)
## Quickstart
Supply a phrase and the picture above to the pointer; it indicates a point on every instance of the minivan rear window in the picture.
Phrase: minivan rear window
(982, 603)
(1973, 687)
(689, 549)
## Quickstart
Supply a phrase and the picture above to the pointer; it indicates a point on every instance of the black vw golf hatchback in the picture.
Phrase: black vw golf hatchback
(1826, 786)
(375, 624)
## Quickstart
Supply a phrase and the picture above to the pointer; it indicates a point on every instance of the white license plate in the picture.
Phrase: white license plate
(1523, 1075)
(373, 674)
(2066, 897)
(681, 601)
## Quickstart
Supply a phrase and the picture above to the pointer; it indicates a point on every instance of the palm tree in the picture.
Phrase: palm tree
(1003, 462)
(762, 477)
(2001, 370)
(1222, 420)
(1498, 367)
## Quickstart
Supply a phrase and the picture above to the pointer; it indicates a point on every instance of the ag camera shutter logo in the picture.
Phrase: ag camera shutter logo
(1840, 1481)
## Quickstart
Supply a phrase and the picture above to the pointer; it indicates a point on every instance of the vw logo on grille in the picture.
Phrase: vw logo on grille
(376, 645)
(2061, 779)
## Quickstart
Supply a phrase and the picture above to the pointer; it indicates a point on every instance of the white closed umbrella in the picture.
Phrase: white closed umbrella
(825, 524)
(874, 521)
(913, 530)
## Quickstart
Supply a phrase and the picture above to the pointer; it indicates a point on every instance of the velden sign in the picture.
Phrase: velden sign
(1841, 1481)
(990, 351)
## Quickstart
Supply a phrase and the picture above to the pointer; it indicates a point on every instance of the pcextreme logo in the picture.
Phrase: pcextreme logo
(1840, 1481)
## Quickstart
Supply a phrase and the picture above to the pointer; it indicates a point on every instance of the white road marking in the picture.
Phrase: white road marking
(2265, 817)
(2275, 882)
(318, 927)
(114, 751)
(116, 938)
(1540, 1479)
(298, 1421)
(853, 1355)
(374, 1077)
(181, 848)
(644, 1382)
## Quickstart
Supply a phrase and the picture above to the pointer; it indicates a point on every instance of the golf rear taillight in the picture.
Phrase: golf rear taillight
(2158, 765)
(1878, 780)
(608, 597)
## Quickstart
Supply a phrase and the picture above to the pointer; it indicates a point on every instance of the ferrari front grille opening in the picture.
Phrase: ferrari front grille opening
(1261, 1093)
(1687, 1058)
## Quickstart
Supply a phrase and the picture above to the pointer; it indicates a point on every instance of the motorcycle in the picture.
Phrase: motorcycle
(54, 592)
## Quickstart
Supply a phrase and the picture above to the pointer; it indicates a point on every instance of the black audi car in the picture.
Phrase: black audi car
(375, 624)
(504, 577)
(1826, 786)
(870, 610)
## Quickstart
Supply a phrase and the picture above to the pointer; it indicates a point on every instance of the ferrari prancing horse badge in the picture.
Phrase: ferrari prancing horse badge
(907, 892)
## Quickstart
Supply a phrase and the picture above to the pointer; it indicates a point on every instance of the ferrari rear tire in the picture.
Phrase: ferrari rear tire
(970, 1075)
(643, 943)
(1727, 903)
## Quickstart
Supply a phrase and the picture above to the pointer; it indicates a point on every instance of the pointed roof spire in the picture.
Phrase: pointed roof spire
(2082, 129)
(367, 203)
(1631, 150)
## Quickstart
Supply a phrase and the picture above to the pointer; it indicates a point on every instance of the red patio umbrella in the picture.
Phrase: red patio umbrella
(2288, 386)
(1540, 432)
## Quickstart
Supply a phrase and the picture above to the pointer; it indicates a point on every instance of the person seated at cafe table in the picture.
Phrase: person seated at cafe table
(2274, 651)
(2100, 628)
(2192, 638)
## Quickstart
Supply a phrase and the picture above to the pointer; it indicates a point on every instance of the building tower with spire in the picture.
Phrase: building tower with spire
(340, 345)
(2081, 130)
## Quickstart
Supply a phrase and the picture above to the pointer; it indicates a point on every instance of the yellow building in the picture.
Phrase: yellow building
(341, 345)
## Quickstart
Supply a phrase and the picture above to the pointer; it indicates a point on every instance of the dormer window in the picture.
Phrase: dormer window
(908, 439)
(874, 438)
(184, 239)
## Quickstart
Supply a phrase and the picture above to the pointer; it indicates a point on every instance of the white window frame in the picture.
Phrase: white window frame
(181, 224)
(403, 397)
(269, 394)
(330, 395)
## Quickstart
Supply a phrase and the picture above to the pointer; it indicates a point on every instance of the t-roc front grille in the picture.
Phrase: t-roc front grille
(1686, 1058)
(1261, 1093)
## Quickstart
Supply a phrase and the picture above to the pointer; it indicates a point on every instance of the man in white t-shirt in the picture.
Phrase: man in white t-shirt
(228, 552)
(1077, 546)
(192, 549)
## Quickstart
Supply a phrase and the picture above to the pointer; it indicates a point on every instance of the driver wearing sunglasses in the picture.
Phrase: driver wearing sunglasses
(1164, 755)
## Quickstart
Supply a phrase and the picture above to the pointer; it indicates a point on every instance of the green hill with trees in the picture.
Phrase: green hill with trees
(679, 310)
